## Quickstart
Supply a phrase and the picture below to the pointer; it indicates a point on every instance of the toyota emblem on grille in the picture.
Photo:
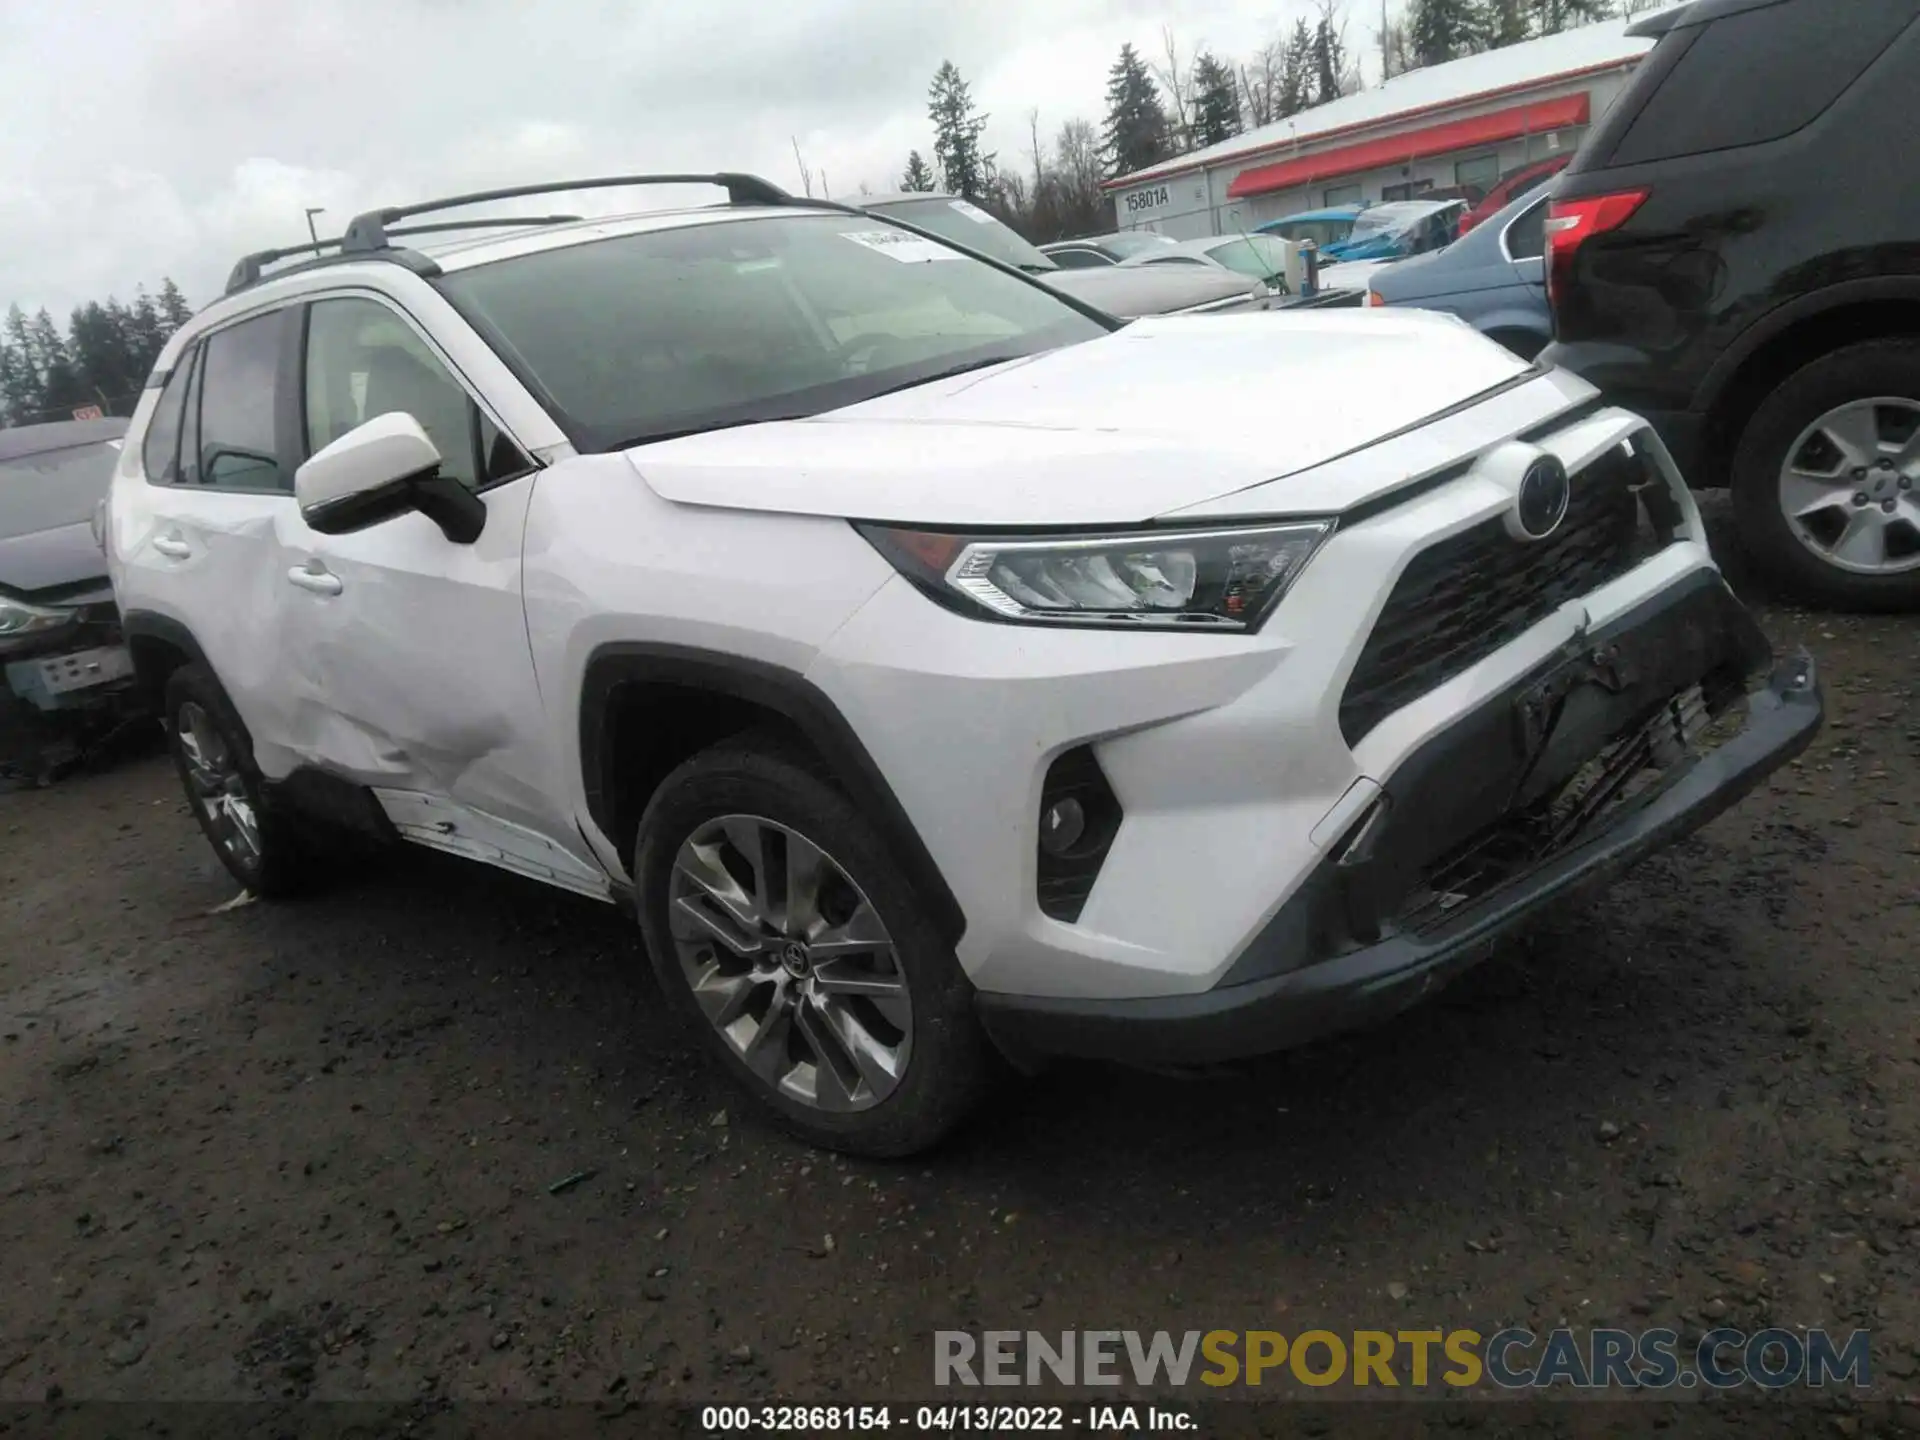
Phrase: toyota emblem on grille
(1540, 500)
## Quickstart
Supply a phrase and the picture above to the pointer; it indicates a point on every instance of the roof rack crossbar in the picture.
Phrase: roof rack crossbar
(249, 268)
(369, 231)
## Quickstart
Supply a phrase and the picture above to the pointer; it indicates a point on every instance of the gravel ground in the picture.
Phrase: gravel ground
(313, 1149)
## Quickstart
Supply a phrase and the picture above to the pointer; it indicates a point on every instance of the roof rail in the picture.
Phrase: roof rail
(247, 271)
(369, 232)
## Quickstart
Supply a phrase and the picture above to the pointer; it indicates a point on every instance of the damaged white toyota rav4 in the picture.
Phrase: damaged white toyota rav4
(945, 674)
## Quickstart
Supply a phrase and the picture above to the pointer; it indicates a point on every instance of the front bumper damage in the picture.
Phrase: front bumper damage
(67, 698)
(1619, 746)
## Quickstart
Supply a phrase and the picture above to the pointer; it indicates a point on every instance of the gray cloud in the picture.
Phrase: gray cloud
(145, 140)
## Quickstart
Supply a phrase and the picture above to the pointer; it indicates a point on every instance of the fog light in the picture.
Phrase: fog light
(1061, 826)
(1078, 818)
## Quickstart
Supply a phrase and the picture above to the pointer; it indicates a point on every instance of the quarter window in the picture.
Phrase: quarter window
(1527, 235)
(160, 451)
(1768, 71)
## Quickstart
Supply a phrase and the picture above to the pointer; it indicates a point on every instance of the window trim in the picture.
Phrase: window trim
(438, 351)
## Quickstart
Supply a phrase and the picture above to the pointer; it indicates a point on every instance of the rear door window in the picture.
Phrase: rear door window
(1759, 75)
(239, 389)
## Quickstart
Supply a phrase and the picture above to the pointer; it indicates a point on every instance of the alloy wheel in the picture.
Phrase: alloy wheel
(790, 963)
(1850, 486)
(217, 785)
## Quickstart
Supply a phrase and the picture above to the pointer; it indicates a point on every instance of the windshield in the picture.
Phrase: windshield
(1388, 219)
(967, 224)
(643, 336)
(1127, 246)
(54, 488)
(1254, 255)
(1320, 232)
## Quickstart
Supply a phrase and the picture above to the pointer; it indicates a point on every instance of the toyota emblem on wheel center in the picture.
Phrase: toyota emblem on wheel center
(1540, 500)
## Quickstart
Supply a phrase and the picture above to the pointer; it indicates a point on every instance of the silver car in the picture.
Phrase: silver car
(1123, 290)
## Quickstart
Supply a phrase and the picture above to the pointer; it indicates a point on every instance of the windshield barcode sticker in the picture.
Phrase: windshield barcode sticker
(899, 245)
(973, 212)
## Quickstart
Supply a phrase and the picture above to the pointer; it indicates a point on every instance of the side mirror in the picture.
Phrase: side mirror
(381, 469)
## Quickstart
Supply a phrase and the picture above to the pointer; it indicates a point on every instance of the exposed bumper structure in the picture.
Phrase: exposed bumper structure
(1392, 913)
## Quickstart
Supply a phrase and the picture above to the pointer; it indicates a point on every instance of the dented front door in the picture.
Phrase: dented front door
(414, 677)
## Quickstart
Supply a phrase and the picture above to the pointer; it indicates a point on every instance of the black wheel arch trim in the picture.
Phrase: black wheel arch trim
(784, 692)
(1721, 375)
(149, 625)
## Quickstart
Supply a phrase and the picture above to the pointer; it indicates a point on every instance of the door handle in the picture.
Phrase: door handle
(172, 546)
(315, 577)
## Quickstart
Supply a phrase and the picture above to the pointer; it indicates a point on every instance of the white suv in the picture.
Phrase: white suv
(945, 673)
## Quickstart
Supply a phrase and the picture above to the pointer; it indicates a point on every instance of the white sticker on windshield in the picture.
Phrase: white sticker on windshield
(899, 245)
(972, 211)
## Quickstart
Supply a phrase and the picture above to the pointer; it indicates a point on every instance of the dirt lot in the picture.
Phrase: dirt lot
(308, 1150)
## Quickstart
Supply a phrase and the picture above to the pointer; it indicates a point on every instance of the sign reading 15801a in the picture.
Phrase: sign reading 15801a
(1154, 197)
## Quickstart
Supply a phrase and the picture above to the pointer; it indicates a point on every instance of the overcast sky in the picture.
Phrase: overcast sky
(146, 139)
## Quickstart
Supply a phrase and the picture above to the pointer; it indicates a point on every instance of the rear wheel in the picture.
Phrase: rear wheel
(785, 935)
(214, 757)
(1826, 479)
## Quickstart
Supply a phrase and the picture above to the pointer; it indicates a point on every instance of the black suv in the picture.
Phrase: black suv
(1735, 252)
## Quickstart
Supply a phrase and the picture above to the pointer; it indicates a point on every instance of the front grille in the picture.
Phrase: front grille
(1629, 771)
(1462, 599)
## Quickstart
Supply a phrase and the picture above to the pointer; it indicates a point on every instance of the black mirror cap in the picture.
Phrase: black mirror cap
(460, 514)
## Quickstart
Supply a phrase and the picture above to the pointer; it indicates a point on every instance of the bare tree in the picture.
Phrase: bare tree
(1039, 156)
(806, 175)
(1260, 83)
(1176, 82)
(1396, 50)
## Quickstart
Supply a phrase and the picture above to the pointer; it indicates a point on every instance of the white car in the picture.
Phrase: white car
(945, 675)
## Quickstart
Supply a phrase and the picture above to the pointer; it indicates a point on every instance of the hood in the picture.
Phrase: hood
(54, 559)
(1162, 414)
(1130, 291)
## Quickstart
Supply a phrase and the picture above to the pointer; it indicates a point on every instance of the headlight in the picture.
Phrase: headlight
(1168, 580)
(18, 619)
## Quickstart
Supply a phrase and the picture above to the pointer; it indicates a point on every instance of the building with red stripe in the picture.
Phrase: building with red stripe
(1465, 123)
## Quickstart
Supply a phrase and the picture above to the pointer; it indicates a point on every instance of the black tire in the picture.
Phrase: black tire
(281, 864)
(951, 1064)
(1859, 372)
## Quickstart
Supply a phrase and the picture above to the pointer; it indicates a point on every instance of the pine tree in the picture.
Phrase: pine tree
(1553, 16)
(918, 178)
(1329, 58)
(1505, 22)
(20, 382)
(1297, 82)
(1136, 130)
(1216, 103)
(1443, 30)
(60, 385)
(964, 170)
(144, 335)
(174, 310)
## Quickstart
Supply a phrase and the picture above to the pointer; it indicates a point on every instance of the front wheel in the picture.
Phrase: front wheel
(214, 758)
(784, 934)
(1826, 479)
